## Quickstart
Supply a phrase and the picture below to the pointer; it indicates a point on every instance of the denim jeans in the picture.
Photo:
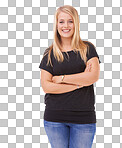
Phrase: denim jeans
(70, 135)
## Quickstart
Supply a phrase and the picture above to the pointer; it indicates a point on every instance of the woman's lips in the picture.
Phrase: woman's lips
(66, 30)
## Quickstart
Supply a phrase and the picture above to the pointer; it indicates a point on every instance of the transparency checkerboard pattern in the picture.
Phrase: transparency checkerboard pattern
(26, 30)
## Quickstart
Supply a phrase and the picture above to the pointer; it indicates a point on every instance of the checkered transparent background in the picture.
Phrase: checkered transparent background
(26, 30)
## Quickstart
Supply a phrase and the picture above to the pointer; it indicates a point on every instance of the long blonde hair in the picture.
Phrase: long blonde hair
(77, 44)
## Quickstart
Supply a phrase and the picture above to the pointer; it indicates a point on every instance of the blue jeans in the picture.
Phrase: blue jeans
(70, 135)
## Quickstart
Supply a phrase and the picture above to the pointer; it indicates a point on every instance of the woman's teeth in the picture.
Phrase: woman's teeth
(66, 30)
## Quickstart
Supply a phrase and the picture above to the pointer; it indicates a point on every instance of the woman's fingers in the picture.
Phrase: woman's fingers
(88, 67)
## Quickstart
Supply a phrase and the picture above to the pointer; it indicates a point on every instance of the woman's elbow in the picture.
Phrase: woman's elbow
(46, 86)
(43, 85)
(97, 77)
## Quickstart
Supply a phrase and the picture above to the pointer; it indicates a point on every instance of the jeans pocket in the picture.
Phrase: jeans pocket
(89, 128)
(51, 123)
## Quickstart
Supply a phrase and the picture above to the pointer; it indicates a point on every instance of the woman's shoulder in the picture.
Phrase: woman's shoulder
(90, 44)
(46, 52)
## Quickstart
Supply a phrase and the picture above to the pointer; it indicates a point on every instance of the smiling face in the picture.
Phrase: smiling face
(65, 25)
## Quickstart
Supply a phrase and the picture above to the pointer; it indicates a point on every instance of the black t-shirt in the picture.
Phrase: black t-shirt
(80, 101)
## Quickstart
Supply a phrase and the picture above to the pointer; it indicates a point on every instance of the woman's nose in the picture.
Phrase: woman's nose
(66, 24)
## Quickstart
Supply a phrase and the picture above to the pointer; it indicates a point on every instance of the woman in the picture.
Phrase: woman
(69, 66)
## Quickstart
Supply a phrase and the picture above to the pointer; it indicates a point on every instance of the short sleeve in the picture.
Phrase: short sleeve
(92, 52)
(43, 64)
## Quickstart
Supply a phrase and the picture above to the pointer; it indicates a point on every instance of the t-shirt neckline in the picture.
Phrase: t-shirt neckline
(67, 51)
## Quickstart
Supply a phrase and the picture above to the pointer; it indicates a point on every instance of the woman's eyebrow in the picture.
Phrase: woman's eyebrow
(63, 19)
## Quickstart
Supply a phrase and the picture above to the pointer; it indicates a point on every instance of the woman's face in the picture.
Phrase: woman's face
(65, 25)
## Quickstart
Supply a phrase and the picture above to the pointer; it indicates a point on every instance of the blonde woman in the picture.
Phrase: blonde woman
(69, 68)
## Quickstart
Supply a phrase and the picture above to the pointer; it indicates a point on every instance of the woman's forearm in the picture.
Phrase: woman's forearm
(84, 78)
(55, 88)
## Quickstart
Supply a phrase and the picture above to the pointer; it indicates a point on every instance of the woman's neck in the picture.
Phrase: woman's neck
(66, 43)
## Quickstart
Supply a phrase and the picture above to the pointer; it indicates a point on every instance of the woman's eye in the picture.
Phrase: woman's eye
(69, 21)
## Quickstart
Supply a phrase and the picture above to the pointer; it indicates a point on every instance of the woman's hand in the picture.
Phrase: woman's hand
(88, 67)
(57, 79)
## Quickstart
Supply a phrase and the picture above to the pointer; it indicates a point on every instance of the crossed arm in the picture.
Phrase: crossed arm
(54, 84)
(85, 78)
